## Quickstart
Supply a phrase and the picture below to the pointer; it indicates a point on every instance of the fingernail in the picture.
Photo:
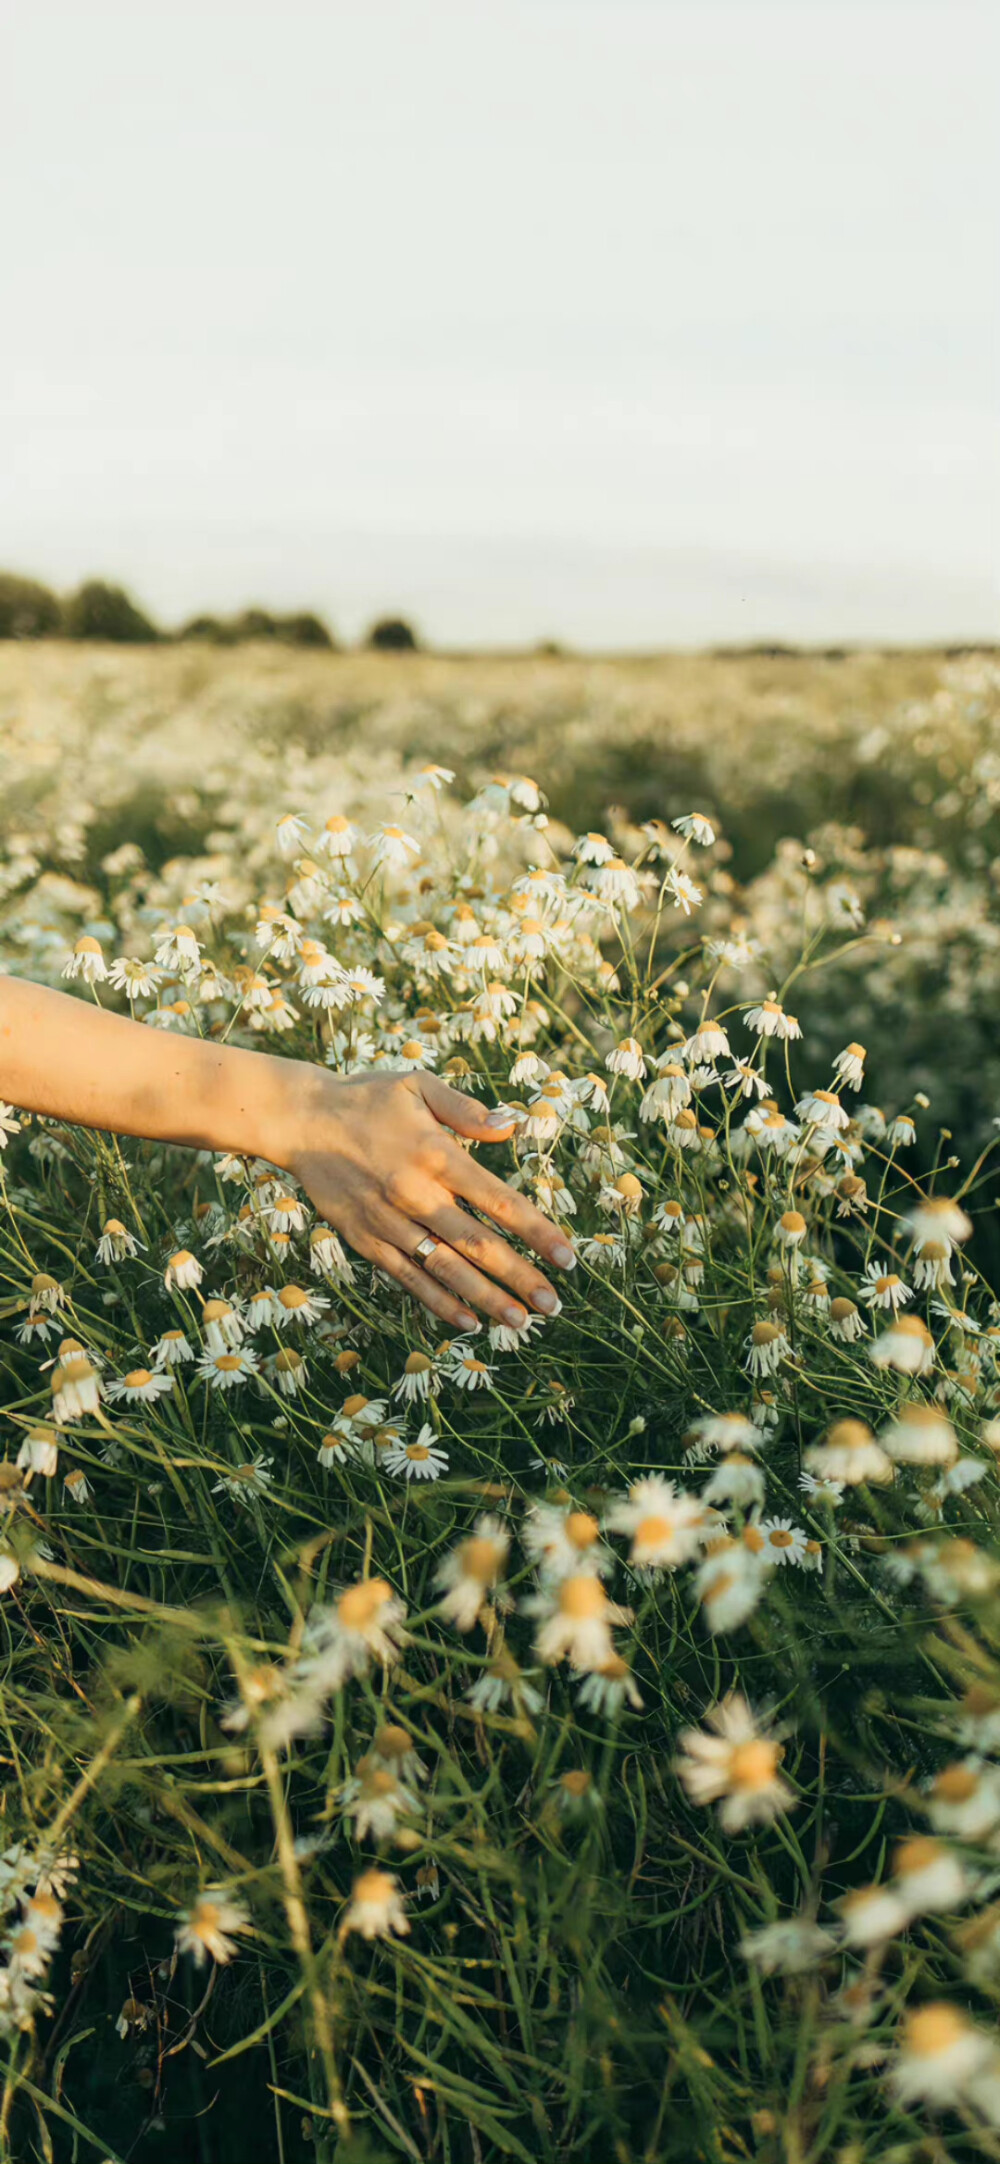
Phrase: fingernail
(548, 1301)
(468, 1322)
(515, 1317)
(564, 1256)
(499, 1118)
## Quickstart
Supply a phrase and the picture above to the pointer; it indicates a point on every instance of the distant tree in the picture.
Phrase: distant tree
(214, 630)
(392, 635)
(299, 629)
(255, 623)
(99, 611)
(27, 609)
(306, 629)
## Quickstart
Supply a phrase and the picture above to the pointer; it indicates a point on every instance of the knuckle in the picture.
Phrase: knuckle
(396, 1189)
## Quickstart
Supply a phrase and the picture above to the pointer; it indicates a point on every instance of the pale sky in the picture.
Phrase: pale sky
(629, 322)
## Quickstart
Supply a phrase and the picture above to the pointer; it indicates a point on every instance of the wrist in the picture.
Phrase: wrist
(302, 1111)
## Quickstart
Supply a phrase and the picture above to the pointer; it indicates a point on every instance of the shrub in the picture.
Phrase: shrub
(27, 609)
(392, 635)
(100, 611)
(301, 629)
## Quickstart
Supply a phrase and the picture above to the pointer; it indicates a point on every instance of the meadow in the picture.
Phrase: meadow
(581, 1743)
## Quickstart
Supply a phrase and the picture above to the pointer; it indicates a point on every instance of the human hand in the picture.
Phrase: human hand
(376, 1158)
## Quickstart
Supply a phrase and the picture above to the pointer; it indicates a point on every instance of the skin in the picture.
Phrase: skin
(378, 1155)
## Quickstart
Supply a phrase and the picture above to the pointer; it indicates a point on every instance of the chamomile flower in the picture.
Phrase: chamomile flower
(183, 1271)
(627, 1058)
(606, 1691)
(249, 1483)
(849, 1066)
(206, 1929)
(767, 1347)
(562, 1540)
(508, 1337)
(906, 1346)
(337, 838)
(936, 1218)
(177, 948)
(365, 1622)
(575, 1622)
(419, 1380)
(46, 1295)
(783, 1541)
(227, 1370)
(137, 979)
(116, 1243)
(290, 833)
(735, 1764)
(822, 1108)
(789, 1948)
(327, 1257)
(928, 1877)
(724, 1432)
(695, 828)
(469, 1576)
(707, 1046)
(375, 1800)
(420, 1460)
(920, 1434)
(821, 1491)
(615, 885)
(666, 1524)
(932, 1270)
(222, 1326)
(884, 1289)
(682, 891)
(770, 1020)
(963, 1801)
(171, 1350)
(393, 848)
(376, 1909)
(76, 1390)
(871, 1914)
(845, 1321)
(291, 1304)
(943, 2059)
(736, 1480)
(39, 1453)
(468, 1372)
(87, 961)
(141, 1386)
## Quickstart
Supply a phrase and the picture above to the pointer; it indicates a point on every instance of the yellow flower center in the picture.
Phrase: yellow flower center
(480, 1559)
(753, 1765)
(582, 1598)
(934, 2028)
(361, 1603)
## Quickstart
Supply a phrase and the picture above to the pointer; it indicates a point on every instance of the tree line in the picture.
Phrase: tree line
(100, 611)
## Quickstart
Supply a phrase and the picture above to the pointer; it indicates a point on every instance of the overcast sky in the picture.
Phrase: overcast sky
(624, 321)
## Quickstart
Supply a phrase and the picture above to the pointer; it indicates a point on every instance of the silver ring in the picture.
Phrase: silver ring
(426, 1246)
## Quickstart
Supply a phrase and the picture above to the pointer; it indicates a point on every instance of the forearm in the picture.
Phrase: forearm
(75, 1062)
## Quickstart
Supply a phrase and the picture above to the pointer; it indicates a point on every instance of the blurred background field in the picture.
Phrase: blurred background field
(884, 765)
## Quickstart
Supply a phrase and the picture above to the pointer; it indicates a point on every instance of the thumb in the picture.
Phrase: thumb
(464, 1115)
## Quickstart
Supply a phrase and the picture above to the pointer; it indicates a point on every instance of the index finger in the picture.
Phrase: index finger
(511, 1211)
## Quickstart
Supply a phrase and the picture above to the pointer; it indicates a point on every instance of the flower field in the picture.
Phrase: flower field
(580, 1742)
